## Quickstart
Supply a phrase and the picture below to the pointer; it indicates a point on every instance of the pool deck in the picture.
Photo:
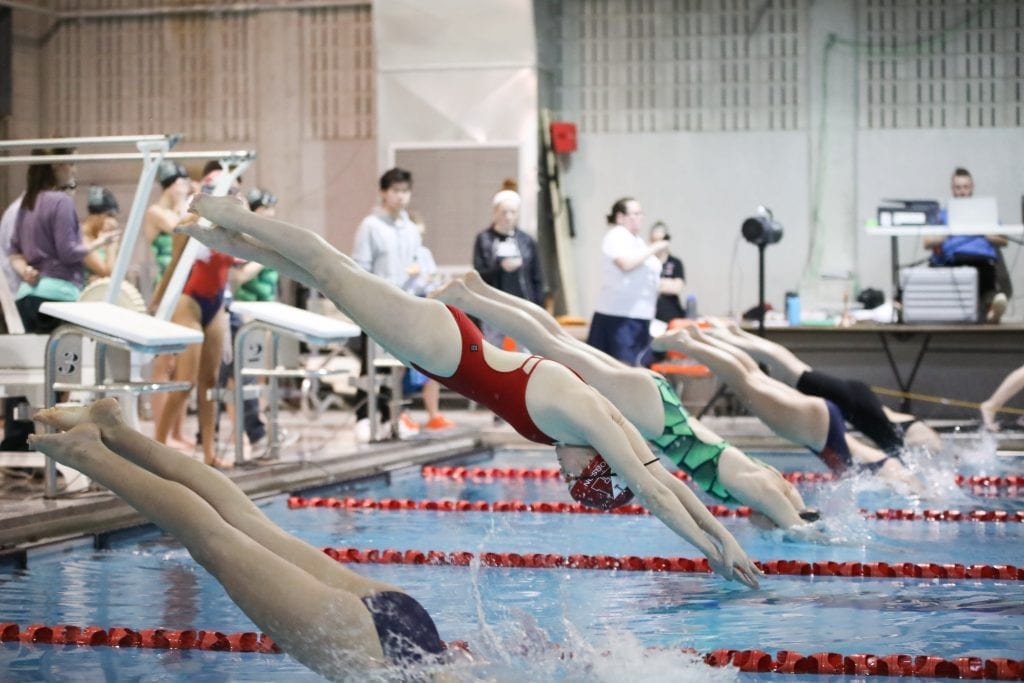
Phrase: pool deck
(324, 452)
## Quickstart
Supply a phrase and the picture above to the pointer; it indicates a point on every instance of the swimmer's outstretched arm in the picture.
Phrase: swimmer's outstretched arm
(578, 414)
(327, 629)
(733, 555)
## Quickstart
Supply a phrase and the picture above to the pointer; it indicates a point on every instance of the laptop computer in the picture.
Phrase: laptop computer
(972, 211)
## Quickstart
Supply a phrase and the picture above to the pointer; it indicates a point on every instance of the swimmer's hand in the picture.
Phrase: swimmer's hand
(736, 566)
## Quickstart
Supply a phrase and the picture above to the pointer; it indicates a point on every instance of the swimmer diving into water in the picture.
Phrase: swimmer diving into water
(326, 616)
(812, 422)
(646, 399)
(543, 400)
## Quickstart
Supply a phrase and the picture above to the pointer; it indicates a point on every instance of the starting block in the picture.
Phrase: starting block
(118, 333)
(267, 323)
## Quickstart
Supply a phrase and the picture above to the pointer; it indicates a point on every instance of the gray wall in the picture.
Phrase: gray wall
(705, 111)
(702, 110)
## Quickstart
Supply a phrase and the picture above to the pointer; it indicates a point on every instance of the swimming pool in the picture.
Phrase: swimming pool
(510, 615)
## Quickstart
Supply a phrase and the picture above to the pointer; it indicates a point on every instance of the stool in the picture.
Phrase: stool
(681, 376)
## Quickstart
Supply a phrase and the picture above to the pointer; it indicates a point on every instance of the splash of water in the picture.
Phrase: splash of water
(611, 657)
(524, 650)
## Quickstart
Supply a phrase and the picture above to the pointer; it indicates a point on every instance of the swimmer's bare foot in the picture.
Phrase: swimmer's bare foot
(674, 340)
(474, 282)
(106, 412)
(988, 416)
(217, 210)
(63, 417)
(71, 448)
(453, 292)
(221, 464)
(215, 236)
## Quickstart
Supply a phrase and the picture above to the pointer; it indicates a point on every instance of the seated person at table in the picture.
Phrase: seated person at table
(981, 252)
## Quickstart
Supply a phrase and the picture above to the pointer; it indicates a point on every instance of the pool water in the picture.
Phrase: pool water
(513, 617)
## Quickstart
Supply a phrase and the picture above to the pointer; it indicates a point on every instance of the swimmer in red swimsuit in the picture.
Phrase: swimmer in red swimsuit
(331, 619)
(648, 402)
(554, 402)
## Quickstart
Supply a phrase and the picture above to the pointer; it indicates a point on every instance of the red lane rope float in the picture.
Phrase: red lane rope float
(155, 638)
(152, 638)
(295, 502)
(921, 666)
(784, 661)
(922, 570)
(447, 472)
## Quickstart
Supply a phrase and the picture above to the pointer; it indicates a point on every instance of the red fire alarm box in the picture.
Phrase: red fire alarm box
(563, 137)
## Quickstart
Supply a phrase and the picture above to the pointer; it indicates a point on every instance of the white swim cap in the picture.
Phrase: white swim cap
(507, 196)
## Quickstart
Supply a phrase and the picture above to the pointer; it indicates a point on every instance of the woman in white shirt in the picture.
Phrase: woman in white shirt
(630, 269)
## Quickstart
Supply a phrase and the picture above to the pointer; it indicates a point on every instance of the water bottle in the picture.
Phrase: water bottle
(793, 308)
(691, 306)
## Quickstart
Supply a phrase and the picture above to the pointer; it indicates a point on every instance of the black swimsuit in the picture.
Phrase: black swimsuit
(406, 631)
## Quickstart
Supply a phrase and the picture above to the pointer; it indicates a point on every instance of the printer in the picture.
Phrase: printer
(897, 212)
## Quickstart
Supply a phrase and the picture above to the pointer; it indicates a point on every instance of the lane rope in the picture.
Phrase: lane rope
(299, 502)
(450, 472)
(942, 400)
(759, 661)
(154, 638)
(463, 558)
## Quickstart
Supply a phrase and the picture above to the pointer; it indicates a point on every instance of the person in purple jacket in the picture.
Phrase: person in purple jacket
(47, 250)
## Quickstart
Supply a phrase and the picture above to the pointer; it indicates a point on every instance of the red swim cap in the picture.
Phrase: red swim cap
(598, 487)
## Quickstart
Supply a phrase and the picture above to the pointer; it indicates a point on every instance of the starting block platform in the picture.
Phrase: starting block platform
(266, 324)
(136, 331)
(118, 333)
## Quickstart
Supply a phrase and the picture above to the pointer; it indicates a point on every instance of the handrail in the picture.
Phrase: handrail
(171, 139)
(122, 156)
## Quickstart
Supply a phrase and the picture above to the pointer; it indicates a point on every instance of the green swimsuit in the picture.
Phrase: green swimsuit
(163, 247)
(263, 287)
(680, 445)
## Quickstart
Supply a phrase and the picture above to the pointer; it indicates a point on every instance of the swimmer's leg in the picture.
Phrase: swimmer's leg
(314, 623)
(414, 329)
(782, 363)
(476, 284)
(633, 392)
(213, 486)
(1007, 389)
(799, 418)
(760, 488)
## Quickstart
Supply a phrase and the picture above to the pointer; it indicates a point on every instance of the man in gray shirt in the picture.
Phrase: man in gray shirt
(387, 240)
(386, 245)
